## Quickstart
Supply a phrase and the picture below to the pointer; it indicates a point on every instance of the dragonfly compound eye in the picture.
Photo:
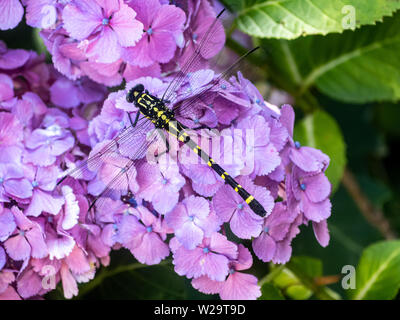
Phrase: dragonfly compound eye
(130, 97)
(134, 92)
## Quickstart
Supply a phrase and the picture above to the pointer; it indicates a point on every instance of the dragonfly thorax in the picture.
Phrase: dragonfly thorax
(154, 109)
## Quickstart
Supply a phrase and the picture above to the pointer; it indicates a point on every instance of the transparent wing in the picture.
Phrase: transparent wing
(126, 142)
(193, 62)
(206, 94)
(124, 171)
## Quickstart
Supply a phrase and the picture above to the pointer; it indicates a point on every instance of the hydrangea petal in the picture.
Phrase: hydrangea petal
(11, 12)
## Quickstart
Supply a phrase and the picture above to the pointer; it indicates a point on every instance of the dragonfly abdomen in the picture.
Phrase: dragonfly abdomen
(180, 133)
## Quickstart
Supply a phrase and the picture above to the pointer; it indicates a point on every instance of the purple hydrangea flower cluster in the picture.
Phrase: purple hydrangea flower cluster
(41, 123)
(53, 116)
(111, 40)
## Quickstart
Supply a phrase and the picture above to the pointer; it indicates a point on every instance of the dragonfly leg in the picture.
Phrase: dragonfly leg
(202, 127)
(162, 135)
(134, 123)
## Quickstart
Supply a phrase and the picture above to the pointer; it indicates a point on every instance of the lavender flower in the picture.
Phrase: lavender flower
(275, 229)
(145, 240)
(192, 220)
(210, 258)
(231, 208)
(238, 285)
(11, 12)
(103, 27)
(162, 26)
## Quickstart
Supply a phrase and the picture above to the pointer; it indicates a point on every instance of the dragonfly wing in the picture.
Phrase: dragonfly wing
(205, 95)
(119, 175)
(194, 62)
(126, 141)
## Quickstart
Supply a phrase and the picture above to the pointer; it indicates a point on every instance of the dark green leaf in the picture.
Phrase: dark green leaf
(319, 130)
(356, 66)
(290, 19)
(378, 272)
(270, 292)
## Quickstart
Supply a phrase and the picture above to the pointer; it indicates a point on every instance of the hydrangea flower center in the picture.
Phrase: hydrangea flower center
(149, 229)
(206, 250)
(232, 271)
(297, 144)
(149, 31)
(165, 181)
(223, 86)
(1, 180)
(195, 36)
(21, 233)
(266, 229)
(105, 21)
(35, 183)
(240, 206)
(303, 186)
(191, 218)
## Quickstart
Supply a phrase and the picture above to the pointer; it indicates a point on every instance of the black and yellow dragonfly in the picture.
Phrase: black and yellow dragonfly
(156, 113)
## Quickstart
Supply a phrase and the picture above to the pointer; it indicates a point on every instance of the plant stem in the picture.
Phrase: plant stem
(321, 292)
(271, 275)
(374, 216)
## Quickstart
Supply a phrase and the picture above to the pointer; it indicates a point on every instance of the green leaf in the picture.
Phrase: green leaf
(357, 66)
(289, 19)
(286, 280)
(270, 292)
(311, 267)
(387, 117)
(378, 272)
(292, 284)
(299, 292)
(319, 130)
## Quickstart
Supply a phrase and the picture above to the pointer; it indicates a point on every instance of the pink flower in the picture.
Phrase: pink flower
(275, 229)
(145, 240)
(7, 223)
(6, 87)
(6, 277)
(200, 21)
(162, 26)
(192, 220)
(238, 285)
(262, 154)
(103, 27)
(229, 206)
(44, 145)
(70, 94)
(43, 181)
(160, 185)
(210, 258)
(9, 123)
(27, 239)
(13, 183)
(11, 12)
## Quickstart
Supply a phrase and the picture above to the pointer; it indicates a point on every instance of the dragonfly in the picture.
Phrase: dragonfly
(160, 113)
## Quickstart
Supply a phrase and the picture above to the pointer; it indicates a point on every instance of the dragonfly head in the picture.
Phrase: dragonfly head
(134, 93)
